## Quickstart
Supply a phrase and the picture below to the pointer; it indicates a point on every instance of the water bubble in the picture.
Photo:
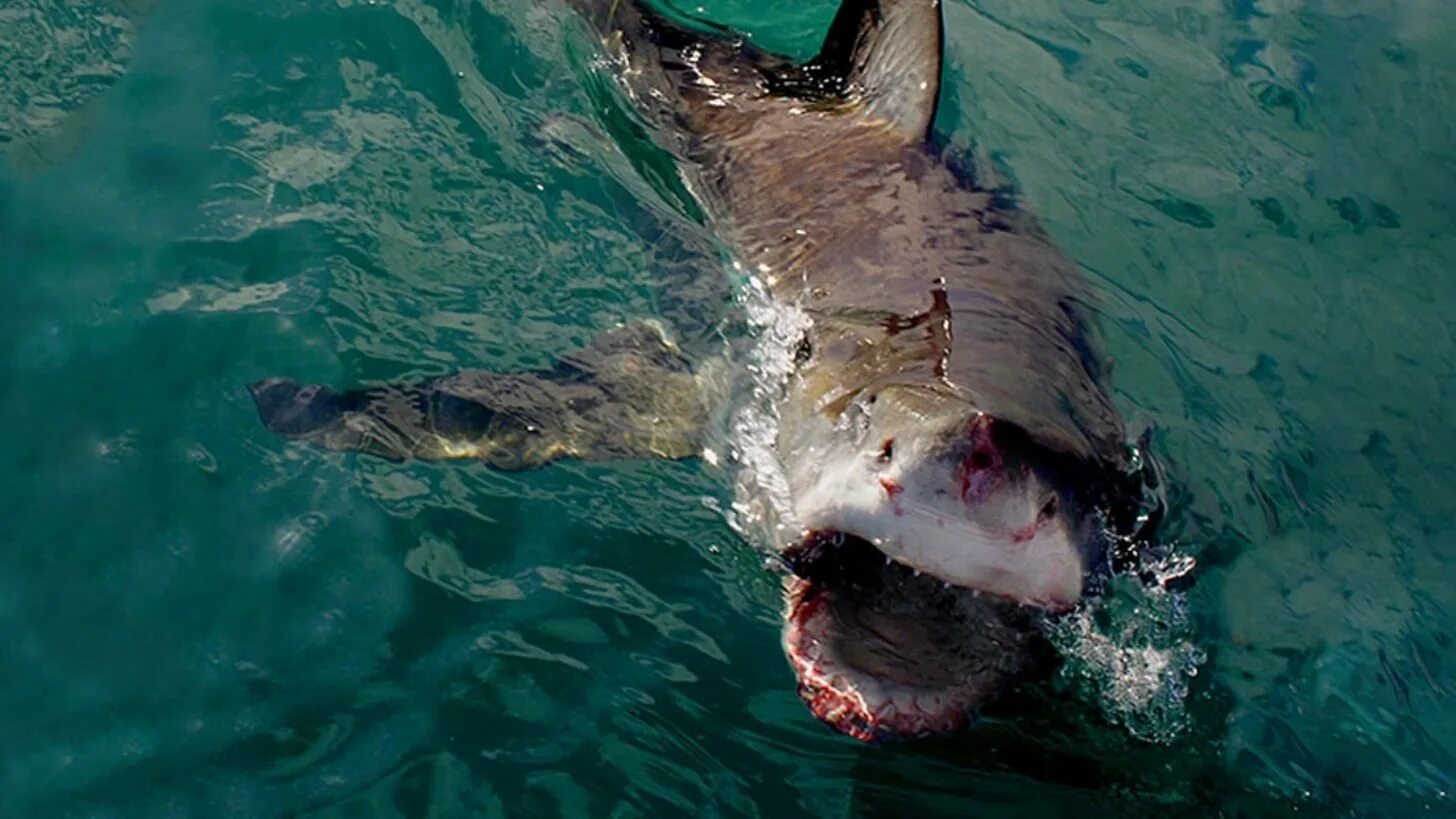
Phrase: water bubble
(763, 489)
(1132, 651)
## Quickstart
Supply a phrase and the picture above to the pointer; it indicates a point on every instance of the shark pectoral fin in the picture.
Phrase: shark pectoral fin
(888, 53)
(391, 422)
(627, 395)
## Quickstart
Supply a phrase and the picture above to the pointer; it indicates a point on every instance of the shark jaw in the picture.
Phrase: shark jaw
(883, 651)
(932, 553)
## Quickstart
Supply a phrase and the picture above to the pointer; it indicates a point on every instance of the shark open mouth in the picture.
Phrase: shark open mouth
(884, 652)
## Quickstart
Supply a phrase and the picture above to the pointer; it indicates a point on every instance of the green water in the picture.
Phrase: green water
(201, 620)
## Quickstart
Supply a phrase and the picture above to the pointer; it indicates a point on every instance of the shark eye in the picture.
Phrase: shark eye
(804, 351)
(1048, 509)
(887, 450)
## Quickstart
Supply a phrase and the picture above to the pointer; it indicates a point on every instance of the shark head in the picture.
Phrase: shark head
(966, 499)
(938, 535)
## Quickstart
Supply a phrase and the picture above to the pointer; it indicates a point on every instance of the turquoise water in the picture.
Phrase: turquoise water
(202, 620)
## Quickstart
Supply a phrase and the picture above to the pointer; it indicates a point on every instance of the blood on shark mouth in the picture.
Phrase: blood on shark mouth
(883, 652)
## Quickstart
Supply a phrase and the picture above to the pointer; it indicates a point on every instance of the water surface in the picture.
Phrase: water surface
(202, 620)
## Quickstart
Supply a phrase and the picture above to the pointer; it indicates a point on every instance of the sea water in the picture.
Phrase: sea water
(203, 620)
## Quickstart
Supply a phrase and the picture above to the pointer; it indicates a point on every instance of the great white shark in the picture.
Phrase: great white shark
(956, 472)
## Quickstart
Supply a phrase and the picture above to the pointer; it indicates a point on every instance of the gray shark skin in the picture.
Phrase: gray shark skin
(954, 464)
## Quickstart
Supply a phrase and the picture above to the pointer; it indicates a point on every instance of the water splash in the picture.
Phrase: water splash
(1132, 652)
(762, 512)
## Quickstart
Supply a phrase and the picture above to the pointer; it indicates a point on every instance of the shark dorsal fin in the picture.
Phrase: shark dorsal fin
(888, 55)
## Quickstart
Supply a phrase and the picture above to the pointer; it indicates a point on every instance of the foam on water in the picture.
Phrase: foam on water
(1131, 650)
(762, 511)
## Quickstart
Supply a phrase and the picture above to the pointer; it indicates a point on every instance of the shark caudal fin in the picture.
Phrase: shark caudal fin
(630, 394)
(887, 55)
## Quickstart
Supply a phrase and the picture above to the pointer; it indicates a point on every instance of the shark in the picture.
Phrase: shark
(955, 473)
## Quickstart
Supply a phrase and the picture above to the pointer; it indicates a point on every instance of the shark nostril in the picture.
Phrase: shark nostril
(1048, 509)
